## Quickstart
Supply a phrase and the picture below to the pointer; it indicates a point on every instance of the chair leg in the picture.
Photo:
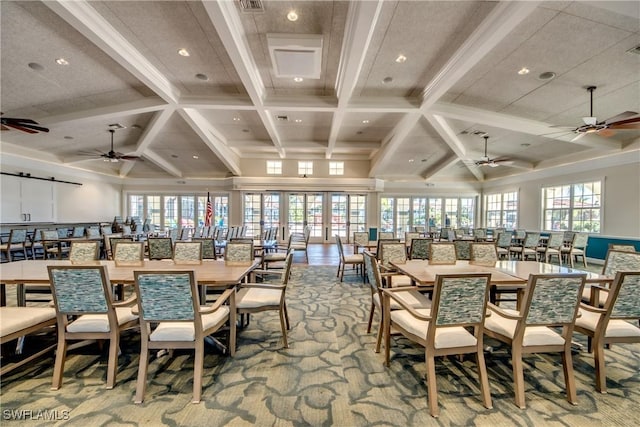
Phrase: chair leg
(61, 354)
(286, 315)
(569, 377)
(518, 377)
(112, 364)
(484, 379)
(284, 329)
(371, 311)
(432, 387)
(379, 334)
(198, 367)
(598, 360)
(142, 371)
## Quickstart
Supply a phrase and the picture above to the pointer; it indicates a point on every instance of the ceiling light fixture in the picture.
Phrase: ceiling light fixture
(548, 75)
(387, 80)
(523, 71)
(62, 61)
(292, 16)
(365, 121)
(35, 66)
(236, 119)
(298, 120)
(196, 157)
(401, 58)
(183, 52)
(411, 160)
(201, 76)
(298, 79)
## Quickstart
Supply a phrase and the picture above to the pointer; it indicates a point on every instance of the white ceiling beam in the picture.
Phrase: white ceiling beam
(86, 20)
(440, 166)
(361, 22)
(157, 159)
(225, 19)
(142, 106)
(213, 138)
(151, 131)
(322, 104)
(240, 103)
(518, 124)
(504, 17)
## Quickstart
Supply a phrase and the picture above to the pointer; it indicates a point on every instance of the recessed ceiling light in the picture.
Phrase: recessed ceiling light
(411, 160)
(365, 121)
(62, 61)
(387, 80)
(524, 70)
(401, 58)
(183, 52)
(245, 130)
(298, 120)
(196, 157)
(359, 132)
(135, 126)
(236, 119)
(35, 66)
(548, 75)
(292, 16)
(298, 79)
(175, 156)
(201, 76)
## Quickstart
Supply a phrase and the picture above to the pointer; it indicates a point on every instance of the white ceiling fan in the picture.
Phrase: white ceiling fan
(488, 161)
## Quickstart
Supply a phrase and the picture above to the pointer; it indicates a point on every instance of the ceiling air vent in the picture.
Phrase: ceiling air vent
(635, 50)
(281, 118)
(296, 55)
(251, 5)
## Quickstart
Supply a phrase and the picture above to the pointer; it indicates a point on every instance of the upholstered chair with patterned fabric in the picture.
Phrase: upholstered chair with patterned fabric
(84, 251)
(93, 233)
(577, 248)
(208, 247)
(550, 302)
(239, 253)
(411, 296)
(552, 248)
(419, 229)
(442, 253)
(420, 248)
(85, 293)
(128, 253)
(623, 248)
(615, 262)
(393, 252)
(452, 325)
(480, 234)
(527, 248)
(354, 260)
(408, 238)
(359, 237)
(463, 249)
(187, 252)
(483, 253)
(257, 297)
(503, 243)
(383, 235)
(111, 240)
(611, 323)
(51, 244)
(160, 248)
(77, 232)
(17, 242)
(171, 317)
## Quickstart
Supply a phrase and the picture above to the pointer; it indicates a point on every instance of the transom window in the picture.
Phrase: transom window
(575, 207)
(274, 167)
(336, 168)
(305, 168)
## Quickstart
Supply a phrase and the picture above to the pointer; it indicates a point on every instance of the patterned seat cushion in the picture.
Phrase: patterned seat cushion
(184, 331)
(100, 322)
(452, 337)
(257, 297)
(14, 319)
(616, 327)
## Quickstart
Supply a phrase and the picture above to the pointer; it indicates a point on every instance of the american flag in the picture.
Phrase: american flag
(209, 212)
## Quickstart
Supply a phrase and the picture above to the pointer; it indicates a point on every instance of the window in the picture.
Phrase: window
(305, 168)
(274, 167)
(400, 214)
(573, 207)
(336, 168)
(501, 210)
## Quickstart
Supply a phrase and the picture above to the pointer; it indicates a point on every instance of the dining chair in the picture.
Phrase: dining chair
(77, 232)
(208, 247)
(452, 325)
(552, 248)
(411, 296)
(93, 233)
(84, 251)
(187, 253)
(408, 238)
(577, 248)
(239, 253)
(85, 293)
(17, 242)
(480, 234)
(354, 260)
(160, 248)
(171, 317)
(128, 253)
(527, 248)
(442, 253)
(615, 262)
(360, 238)
(264, 296)
(611, 323)
(381, 242)
(503, 243)
(393, 252)
(51, 244)
(386, 235)
(463, 249)
(420, 248)
(483, 253)
(113, 240)
(550, 301)
(621, 247)
(34, 244)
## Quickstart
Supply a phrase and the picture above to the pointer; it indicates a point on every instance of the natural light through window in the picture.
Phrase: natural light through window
(574, 207)
(336, 168)
(274, 167)
(305, 168)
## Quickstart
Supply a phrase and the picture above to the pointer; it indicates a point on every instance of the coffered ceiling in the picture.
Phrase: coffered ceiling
(409, 86)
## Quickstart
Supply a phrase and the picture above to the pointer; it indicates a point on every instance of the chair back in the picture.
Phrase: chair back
(128, 253)
(106, 230)
(185, 233)
(556, 240)
(420, 248)
(504, 239)
(520, 234)
(459, 300)
(384, 235)
(288, 262)
(84, 251)
(114, 239)
(197, 233)
(160, 248)
(484, 253)
(340, 248)
(208, 247)
(579, 241)
(81, 290)
(381, 242)
(360, 237)
(479, 233)
(442, 253)
(624, 296)
(62, 232)
(621, 261)
(418, 229)
(451, 235)
(395, 252)
(531, 240)
(373, 273)
(623, 248)
(238, 253)
(77, 232)
(187, 252)
(167, 296)
(409, 236)
(126, 230)
(17, 236)
(552, 299)
(463, 249)
(93, 233)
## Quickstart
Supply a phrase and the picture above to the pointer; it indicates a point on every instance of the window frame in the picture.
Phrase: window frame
(547, 214)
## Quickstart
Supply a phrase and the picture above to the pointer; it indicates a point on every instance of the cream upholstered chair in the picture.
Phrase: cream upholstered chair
(160, 248)
(552, 248)
(385, 235)
(354, 260)
(84, 251)
(17, 242)
(114, 239)
(411, 296)
(615, 262)
(577, 248)
(459, 303)
(359, 237)
(257, 297)
(420, 248)
(549, 301)
(128, 253)
(503, 243)
(85, 292)
(393, 252)
(408, 238)
(187, 252)
(611, 323)
(381, 242)
(528, 247)
(171, 317)
(442, 253)
(208, 247)
(300, 241)
(483, 253)
(17, 322)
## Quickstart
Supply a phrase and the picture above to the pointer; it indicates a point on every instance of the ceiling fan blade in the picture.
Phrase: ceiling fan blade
(18, 121)
(38, 128)
(624, 122)
(625, 126)
(621, 116)
(606, 132)
(130, 158)
(22, 128)
(578, 136)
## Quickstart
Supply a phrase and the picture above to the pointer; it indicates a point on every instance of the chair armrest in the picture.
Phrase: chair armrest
(503, 313)
(389, 293)
(262, 286)
(218, 302)
(126, 302)
(588, 307)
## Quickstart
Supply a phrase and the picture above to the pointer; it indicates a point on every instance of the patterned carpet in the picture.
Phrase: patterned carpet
(330, 376)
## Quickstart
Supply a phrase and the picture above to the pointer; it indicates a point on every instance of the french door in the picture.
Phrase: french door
(306, 209)
(348, 214)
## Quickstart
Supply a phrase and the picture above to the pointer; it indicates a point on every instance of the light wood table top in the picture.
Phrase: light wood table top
(424, 274)
(523, 269)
